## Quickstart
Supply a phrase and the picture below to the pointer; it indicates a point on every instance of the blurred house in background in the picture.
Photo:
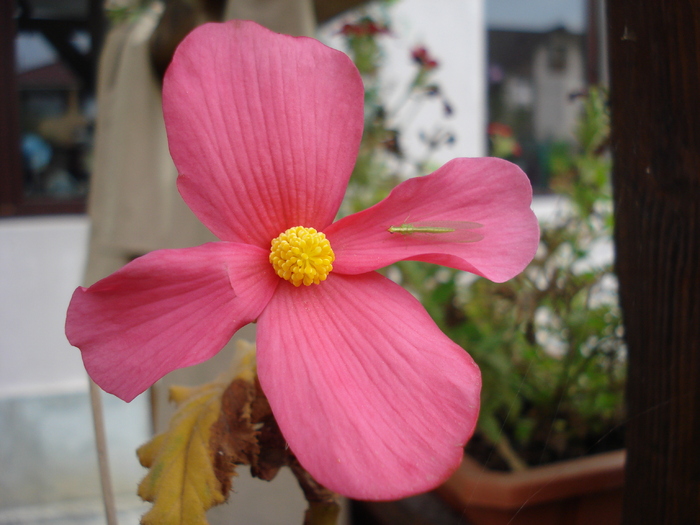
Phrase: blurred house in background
(541, 56)
(533, 80)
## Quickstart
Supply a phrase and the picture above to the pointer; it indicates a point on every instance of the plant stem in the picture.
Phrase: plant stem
(506, 451)
(102, 457)
(324, 504)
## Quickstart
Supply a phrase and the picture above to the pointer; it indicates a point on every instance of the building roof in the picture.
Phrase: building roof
(513, 50)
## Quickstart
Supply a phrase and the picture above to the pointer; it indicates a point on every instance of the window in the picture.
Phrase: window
(47, 103)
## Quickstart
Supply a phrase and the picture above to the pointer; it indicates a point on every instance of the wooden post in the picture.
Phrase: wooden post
(655, 103)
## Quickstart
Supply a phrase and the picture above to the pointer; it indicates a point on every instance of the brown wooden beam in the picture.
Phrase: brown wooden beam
(655, 103)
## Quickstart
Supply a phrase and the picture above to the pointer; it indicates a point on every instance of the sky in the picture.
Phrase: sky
(534, 15)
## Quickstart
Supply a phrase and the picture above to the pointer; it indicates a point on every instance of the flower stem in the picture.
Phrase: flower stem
(102, 457)
(324, 504)
(509, 455)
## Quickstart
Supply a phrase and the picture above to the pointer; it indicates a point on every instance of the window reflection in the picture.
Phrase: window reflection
(56, 121)
(539, 61)
(54, 62)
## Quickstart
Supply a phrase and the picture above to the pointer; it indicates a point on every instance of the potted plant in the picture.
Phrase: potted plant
(549, 343)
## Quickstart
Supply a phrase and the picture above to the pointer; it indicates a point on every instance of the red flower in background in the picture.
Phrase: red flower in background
(421, 57)
(364, 27)
(503, 142)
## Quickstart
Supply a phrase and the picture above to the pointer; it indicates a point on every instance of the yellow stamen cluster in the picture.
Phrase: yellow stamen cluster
(302, 255)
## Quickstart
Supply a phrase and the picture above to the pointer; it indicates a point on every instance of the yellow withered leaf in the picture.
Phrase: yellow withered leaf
(191, 464)
(181, 482)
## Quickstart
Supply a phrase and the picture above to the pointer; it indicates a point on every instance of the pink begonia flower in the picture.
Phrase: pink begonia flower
(374, 400)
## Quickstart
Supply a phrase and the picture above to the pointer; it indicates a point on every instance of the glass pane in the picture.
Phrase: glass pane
(56, 114)
(537, 67)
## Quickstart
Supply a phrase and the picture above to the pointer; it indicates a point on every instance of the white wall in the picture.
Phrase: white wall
(453, 32)
(41, 263)
(47, 451)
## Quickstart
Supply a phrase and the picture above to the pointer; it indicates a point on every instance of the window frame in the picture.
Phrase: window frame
(15, 16)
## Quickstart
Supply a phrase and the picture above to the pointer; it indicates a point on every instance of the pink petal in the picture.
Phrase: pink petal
(374, 400)
(264, 129)
(167, 310)
(488, 191)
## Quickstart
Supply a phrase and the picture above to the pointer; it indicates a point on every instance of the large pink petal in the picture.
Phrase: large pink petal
(264, 129)
(166, 310)
(488, 191)
(374, 400)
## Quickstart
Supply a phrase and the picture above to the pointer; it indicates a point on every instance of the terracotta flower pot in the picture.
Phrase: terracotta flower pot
(576, 492)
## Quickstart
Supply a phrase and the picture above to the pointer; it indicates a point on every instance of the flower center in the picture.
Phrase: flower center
(302, 255)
